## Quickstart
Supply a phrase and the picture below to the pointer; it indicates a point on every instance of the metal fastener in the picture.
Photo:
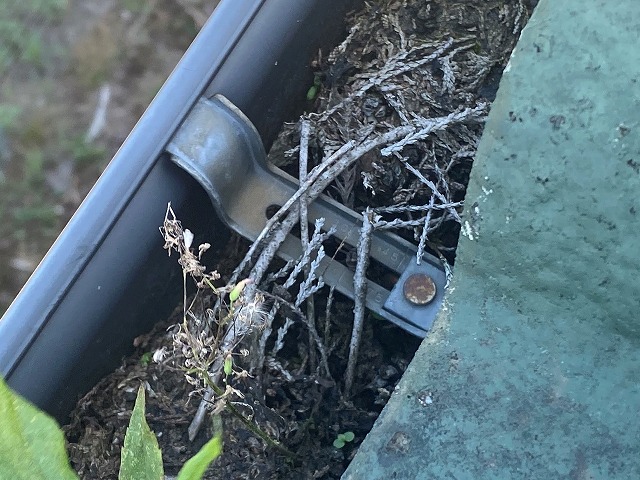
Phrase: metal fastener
(220, 148)
(419, 289)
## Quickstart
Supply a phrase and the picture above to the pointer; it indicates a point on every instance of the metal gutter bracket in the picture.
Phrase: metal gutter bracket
(222, 150)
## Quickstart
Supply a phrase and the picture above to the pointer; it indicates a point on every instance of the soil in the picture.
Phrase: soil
(288, 399)
(304, 414)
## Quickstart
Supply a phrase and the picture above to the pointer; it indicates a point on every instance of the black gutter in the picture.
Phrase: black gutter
(107, 279)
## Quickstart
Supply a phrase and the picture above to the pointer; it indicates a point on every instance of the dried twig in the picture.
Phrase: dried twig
(306, 290)
(425, 231)
(313, 245)
(236, 331)
(417, 208)
(277, 217)
(282, 331)
(262, 344)
(202, 352)
(399, 223)
(316, 183)
(396, 65)
(430, 125)
(100, 115)
(360, 293)
(248, 316)
(305, 129)
(327, 314)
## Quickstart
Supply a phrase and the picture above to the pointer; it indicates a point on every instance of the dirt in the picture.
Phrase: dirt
(305, 415)
(290, 400)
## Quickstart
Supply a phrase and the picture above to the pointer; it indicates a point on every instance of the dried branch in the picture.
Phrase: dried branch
(249, 316)
(327, 314)
(360, 294)
(396, 66)
(262, 344)
(417, 208)
(425, 231)
(430, 125)
(273, 221)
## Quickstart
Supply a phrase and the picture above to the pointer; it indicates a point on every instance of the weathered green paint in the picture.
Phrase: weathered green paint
(532, 370)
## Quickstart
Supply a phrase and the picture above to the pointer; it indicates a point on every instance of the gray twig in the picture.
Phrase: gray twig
(397, 65)
(433, 188)
(399, 223)
(316, 183)
(307, 287)
(417, 208)
(430, 125)
(324, 359)
(305, 129)
(262, 344)
(285, 271)
(327, 314)
(303, 157)
(282, 332)
(360, 293)
(276, 365)
(284, 210)
(425, 231)
(100, 115)
(240, 326)
(313, 245)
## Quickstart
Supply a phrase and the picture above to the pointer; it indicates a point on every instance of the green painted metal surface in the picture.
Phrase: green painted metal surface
(533, 368)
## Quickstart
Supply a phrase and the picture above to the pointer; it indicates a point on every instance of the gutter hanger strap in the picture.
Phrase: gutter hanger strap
(221, 149)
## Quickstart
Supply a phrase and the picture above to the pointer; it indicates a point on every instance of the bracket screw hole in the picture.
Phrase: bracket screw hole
(271, 210)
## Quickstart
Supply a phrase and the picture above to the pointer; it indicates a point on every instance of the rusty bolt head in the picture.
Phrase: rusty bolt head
(419, 289)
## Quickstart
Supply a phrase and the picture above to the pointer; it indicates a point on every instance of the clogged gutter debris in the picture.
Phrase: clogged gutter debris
(398, 110)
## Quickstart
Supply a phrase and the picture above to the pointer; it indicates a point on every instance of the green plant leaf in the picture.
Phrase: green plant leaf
(146, 358)
(348, 436)
(237, 290)
(196, 466)
(140, 458)
(338, 442)
(228, 365)
(312, 93)
(31, 443)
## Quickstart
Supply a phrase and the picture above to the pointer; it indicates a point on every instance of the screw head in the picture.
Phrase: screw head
(419, 289)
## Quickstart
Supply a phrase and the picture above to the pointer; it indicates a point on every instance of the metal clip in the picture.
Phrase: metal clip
(222, 150)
